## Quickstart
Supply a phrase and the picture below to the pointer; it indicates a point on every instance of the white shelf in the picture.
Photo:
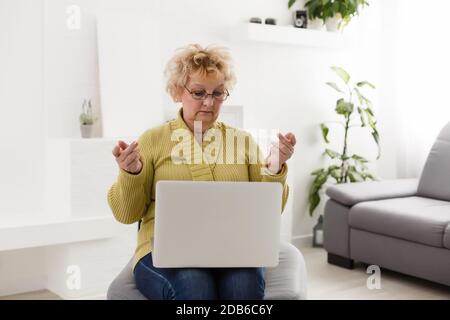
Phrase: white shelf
(289, 35)
(92, 140)
(43, 230)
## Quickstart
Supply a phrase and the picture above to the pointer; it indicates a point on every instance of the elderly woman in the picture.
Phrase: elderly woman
(200, 79)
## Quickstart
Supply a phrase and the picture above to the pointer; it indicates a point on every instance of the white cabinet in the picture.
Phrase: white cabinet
(79, 175)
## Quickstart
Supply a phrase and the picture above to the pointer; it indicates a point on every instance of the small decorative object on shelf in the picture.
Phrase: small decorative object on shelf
(318, 233)
(271, 21)
(86, 119)
(300, 19)
(255, 20)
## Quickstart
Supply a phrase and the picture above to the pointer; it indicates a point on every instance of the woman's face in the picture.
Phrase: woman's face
(206, 110)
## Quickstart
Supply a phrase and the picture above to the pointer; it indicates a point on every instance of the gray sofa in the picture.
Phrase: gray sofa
(401, 225)
(287, 281)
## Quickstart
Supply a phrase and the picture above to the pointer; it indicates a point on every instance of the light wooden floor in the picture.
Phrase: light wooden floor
(326, 281)
(36, 295)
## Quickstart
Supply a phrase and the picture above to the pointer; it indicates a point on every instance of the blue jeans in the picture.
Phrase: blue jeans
(198, 283)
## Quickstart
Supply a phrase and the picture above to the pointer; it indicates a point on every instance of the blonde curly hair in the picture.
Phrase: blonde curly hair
(193, 59)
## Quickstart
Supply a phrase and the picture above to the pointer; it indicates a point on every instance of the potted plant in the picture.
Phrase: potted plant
(356, 111)
(336, 14)
(86, 119)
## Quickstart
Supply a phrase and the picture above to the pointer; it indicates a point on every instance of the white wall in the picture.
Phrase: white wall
(22, 132)
(22, 128)
(414, 67)
(421, 80)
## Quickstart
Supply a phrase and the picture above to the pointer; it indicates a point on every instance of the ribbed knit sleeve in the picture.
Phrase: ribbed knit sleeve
(129, 196)
(255, 173)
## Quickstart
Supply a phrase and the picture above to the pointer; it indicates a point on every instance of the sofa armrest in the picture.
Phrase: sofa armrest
(350, 194)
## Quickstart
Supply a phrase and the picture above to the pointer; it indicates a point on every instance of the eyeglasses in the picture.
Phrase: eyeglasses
(202, 94)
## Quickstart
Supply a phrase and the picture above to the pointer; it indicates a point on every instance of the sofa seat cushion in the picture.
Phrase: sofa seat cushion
(417, 219)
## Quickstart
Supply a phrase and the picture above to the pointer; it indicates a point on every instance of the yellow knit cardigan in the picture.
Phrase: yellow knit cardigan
(132, 197)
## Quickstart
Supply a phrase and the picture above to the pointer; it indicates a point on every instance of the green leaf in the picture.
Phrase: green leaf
(343, 107)
(368, 175)
(369, 110)
(359, 158)
(370, 118)
(314, 201)
(319, 180)
(332, 154)
(361, 116)
(291, 3)
(334, 86)
(316, 172)
(315, 9)
(333, 167)
(325, 131)
(335, 172)
(360, 96)
(365, 83)
(354, 174)
(373, 125)
(352, 177)
(376, 137)
(368, 104)
(360, 162)
(341, 73)
(314, 198)
(362, 99)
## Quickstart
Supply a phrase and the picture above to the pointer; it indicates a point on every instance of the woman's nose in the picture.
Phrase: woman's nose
(209, 101)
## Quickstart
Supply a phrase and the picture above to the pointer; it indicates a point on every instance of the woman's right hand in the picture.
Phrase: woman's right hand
(128, 157)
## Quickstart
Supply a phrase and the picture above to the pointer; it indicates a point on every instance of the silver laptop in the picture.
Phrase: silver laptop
(217, 224)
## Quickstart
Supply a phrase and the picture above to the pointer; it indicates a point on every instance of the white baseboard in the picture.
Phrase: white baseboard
(100, 296)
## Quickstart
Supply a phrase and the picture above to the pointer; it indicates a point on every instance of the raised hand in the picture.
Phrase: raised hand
(281, 151)
(128, 157)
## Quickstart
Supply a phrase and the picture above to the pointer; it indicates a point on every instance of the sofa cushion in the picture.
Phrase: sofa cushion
(286, 281)
(447, 237)
(435, 179)
(417, 219)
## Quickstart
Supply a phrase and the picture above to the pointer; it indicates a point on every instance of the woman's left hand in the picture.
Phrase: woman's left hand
(280, 152)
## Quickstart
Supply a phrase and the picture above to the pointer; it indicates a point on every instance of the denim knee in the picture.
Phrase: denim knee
(194, 284)
(242, 284)
(174, 283)
(151, 284)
